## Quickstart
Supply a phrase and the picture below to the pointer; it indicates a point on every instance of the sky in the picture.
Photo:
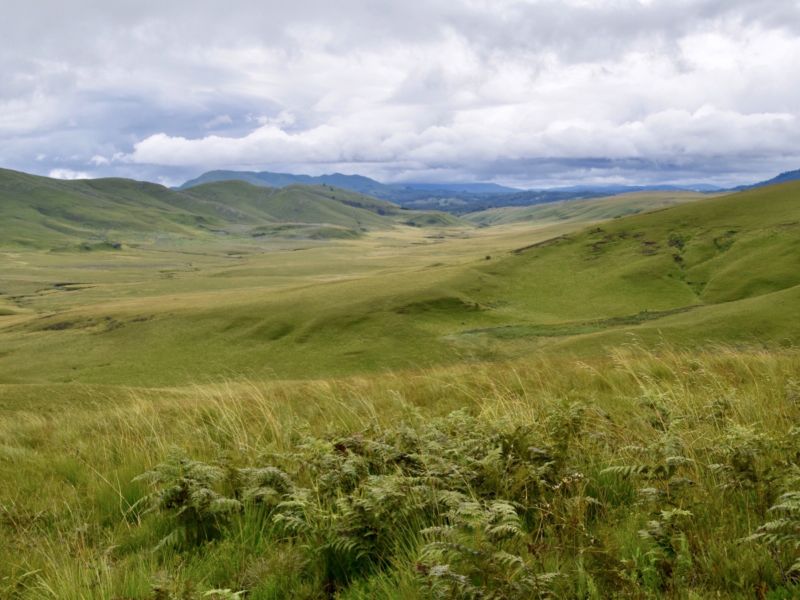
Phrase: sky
(530, 93)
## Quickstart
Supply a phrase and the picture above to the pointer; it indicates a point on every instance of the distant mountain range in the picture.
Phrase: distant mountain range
(42, 212)
(356, 183)
(453, 197)
(458, 198)
(782, 178)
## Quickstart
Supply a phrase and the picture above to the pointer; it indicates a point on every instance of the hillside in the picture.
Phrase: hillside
(785, 177)
(43, 212)
(310, 204)
(456, 198)
(612, 405)
(717, 270)
(241, 202)
(726, 268)
(354, 183)
(595, 209)
(40, 212)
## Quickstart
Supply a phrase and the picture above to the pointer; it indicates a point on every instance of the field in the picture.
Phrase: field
(595, 400)
(595, 209)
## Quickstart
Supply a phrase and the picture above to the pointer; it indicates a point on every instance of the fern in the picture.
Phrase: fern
(666, 470)
(185, 491)
(783, 532)
(481, 553)
(671, 556)
(265, 486)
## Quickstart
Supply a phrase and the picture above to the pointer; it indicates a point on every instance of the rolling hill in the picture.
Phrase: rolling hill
(456, 198)
(634, 372)
(240, 202)
(452, 197)
(41, 212)
(726, 268)
(356, 183)
(723, 269)
(595, 209)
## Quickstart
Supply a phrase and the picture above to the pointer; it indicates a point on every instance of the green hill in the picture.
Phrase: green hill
(342, 419)
(40, 212)
(43, 212)
(238, 201)
(355, 183)
(721, 269)
(595, 209)
(310, 204)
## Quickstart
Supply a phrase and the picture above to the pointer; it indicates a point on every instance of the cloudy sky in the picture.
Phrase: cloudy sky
(534, 93)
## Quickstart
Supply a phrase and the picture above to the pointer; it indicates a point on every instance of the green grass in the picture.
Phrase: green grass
(38, 212)
(381, 473)
(173, 313)
(362, 408)
(595, 209)
(722, 269)
(294, 204)
(730, 258)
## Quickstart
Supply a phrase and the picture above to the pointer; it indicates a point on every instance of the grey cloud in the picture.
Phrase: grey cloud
(529, 91)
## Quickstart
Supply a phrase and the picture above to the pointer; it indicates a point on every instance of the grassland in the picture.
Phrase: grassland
(43, 213)
(262, 307)
(529, 479)
(595, 209)
(175, 311)
(397, 406)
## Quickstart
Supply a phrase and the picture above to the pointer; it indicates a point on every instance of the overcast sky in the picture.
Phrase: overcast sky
(530, 93)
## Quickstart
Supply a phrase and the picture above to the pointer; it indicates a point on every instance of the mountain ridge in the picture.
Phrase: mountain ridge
(39, 211)
(784, 177)
(453, 197)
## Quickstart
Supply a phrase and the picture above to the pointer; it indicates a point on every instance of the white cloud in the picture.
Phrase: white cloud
(485, 134)
(471, 88)
(67, 174)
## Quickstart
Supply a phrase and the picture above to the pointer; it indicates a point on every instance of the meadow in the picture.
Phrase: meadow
(644, 475)
(599, 400)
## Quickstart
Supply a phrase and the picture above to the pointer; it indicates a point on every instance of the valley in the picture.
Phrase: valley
(172, 307)
(303, 392)
(455, 300)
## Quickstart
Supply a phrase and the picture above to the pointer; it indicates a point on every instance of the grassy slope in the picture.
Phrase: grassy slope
(719, 270)
(39, 212)
(43, 212)
(296, 204)
(704, 442)
(703, 254)
(596, 209)
(296, 308)
(710, 436)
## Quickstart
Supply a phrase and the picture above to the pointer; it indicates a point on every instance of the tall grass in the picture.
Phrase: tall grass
(644, 474)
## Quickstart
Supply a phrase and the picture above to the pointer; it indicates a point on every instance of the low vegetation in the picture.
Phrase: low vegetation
(44, 213)
(591, 210)
(666, 474)
(237, 392)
